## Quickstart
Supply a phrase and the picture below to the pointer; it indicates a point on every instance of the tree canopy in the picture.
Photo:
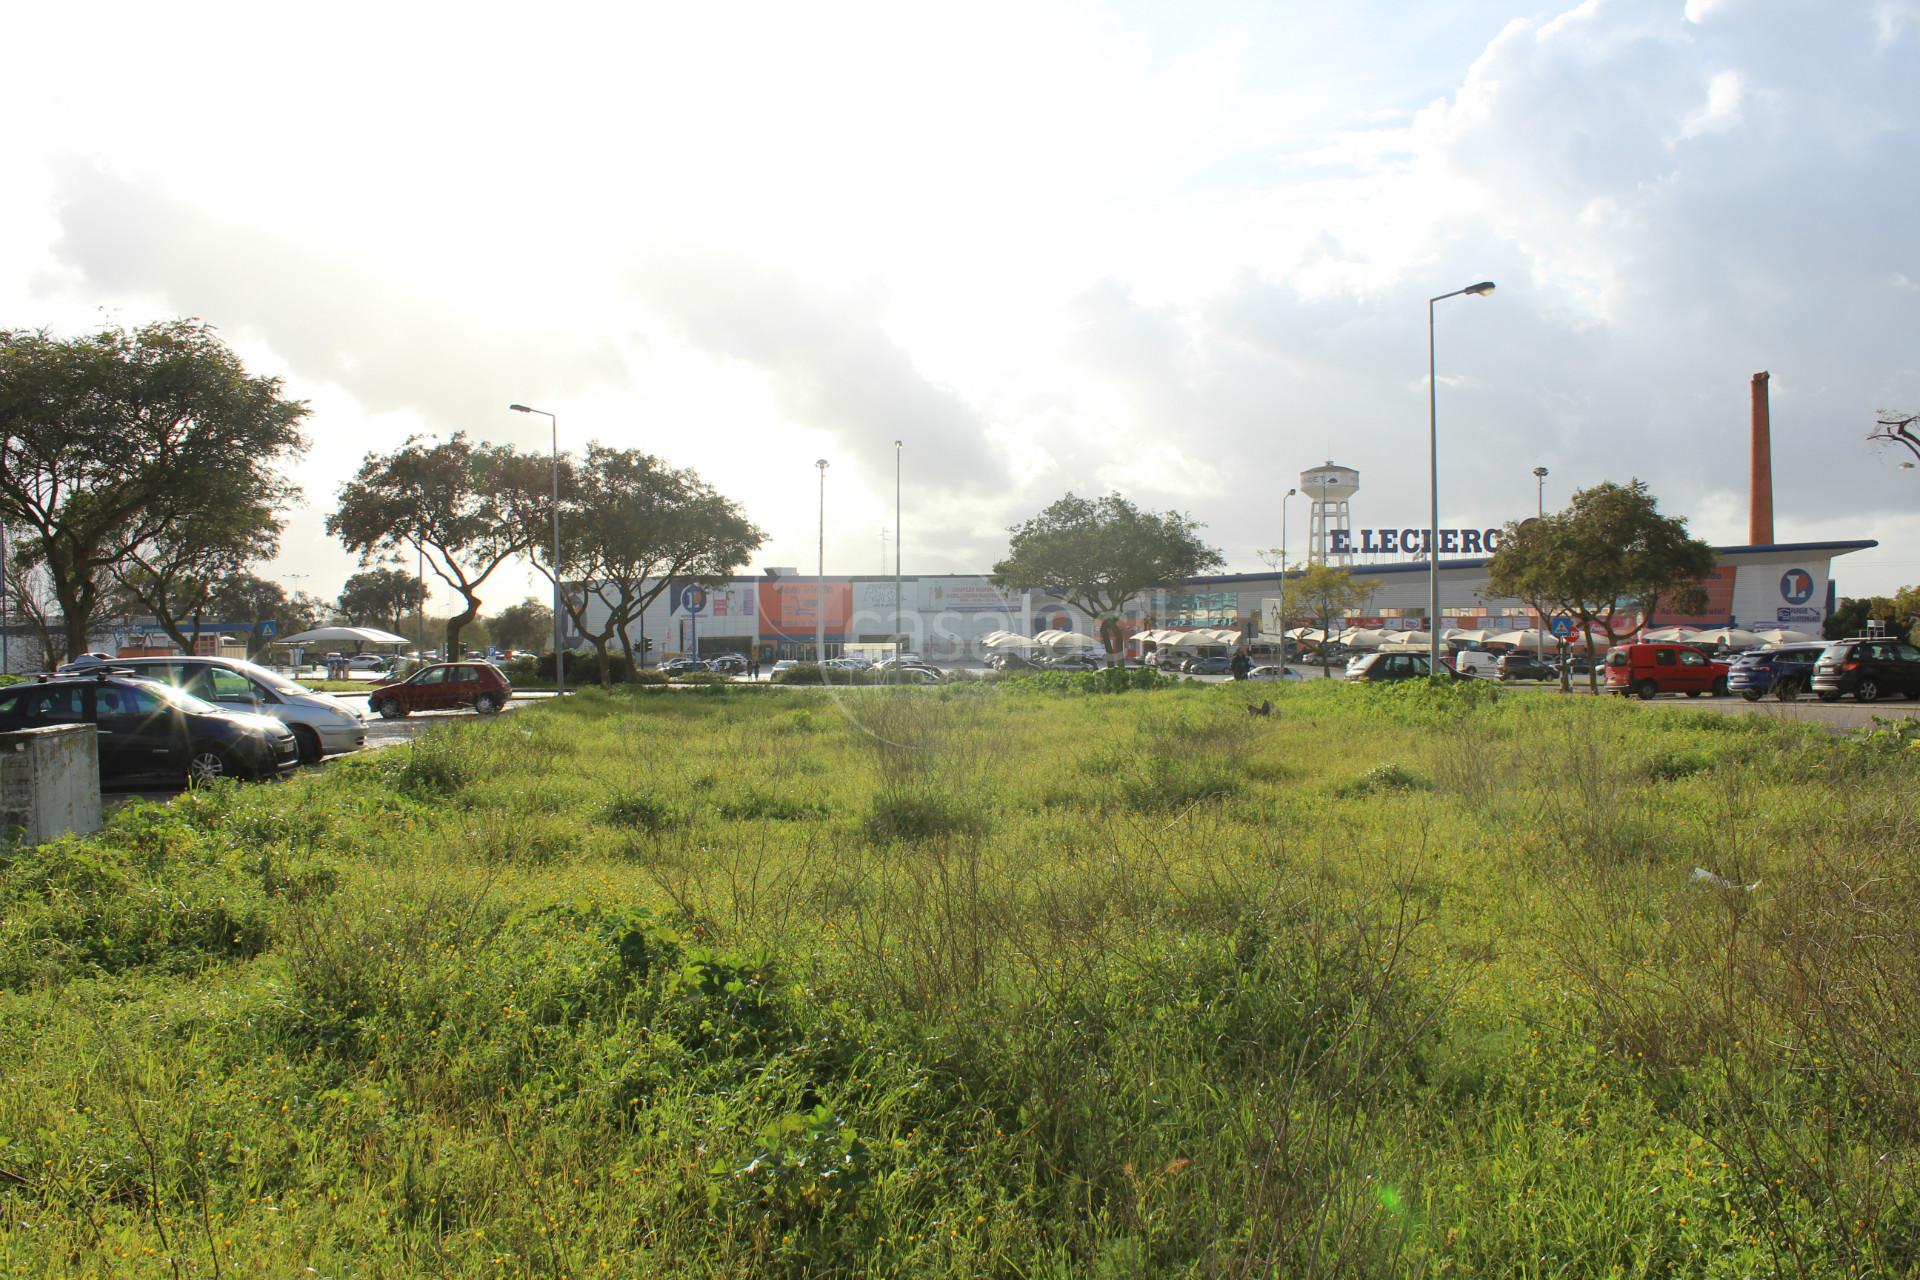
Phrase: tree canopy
(152, 440)
(1098, 553)
(1609, 553)
(630, 526)
(1327, 593)
(467, 508)
(527, 625)
(383, 597)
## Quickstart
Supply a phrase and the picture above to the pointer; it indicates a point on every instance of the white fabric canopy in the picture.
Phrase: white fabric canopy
(1066, 640)
(1532, 638)
(351, 635)
(1462, 633)
(1732, 638)
(1672, 635)
(1006, 640)
(1785, 635)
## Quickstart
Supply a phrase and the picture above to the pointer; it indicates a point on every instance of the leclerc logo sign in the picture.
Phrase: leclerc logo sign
(1796, 586)
(1411, 542)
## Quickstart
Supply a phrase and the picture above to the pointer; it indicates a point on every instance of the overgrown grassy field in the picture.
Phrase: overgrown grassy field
(1009, 981)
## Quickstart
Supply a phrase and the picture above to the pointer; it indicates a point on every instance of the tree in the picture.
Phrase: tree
(174, 573)
(1328, 593)
(464, 507)
(244, 597)
(1901, 429)
(1901, 611)
(1610, 552)
(631, 526)
(110, 442)
(1096, 554)
(382, 597)
(527, 625)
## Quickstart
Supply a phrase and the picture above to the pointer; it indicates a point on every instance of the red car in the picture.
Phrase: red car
(442, 687)
(1645, 670)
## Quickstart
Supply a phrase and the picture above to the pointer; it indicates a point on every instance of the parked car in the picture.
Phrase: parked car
(785, 664)
(1214, 666)
(728, 664)
(322, 724)
(1786, 672)
(903, 673)
(443, 687)
(1868, 668)
(1274, 673)
(1004, 661)
(1074, 662)
(1577, 664)
(150, 730)
(369, 662)
(1646, 670)
(681, 666)
(1383, 667)
(1524, 666)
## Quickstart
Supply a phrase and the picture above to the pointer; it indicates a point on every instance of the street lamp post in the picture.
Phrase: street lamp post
(1283, 575)
(1480, 290)
(899, 605)
(820, 577)
(559, 652)
(1540, 510)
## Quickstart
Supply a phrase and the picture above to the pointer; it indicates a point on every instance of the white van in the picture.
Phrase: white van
(322, 725)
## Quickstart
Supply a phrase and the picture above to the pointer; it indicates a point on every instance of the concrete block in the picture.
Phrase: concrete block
(49, 782)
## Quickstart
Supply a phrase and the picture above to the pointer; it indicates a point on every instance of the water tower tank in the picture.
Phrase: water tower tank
(1328, 488)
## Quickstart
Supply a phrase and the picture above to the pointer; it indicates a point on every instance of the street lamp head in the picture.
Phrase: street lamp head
(519, 408)
(822, 464)
(896, 444)
(1292, 492)
(1481, 290)
(1541, 472)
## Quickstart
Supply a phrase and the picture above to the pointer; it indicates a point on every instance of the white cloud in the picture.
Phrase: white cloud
(1053, 247)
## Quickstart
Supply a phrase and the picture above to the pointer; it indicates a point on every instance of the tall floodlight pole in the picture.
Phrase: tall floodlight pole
(1283, 574)
(899, 605)
(820, 577)
(1540, 509)
(559, 607)
(6, 652)
(1480, 290)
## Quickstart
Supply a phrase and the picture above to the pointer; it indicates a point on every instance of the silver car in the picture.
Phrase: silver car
(322, 725)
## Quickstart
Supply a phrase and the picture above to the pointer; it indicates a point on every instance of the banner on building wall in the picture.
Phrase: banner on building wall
(939, 596)
(711, 602)
(1201, 609)
(794, 608)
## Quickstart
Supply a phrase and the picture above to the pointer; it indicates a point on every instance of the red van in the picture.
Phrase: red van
(1647, 669)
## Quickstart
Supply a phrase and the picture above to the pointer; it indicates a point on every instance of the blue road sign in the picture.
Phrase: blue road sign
(268, 628)
(1560, 625)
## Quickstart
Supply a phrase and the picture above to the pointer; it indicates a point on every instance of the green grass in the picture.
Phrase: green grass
(1043, 978)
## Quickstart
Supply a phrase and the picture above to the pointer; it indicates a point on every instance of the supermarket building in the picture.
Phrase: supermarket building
(946, 617)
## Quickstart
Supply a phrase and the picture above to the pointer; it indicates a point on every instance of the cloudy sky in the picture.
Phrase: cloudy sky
(1178, 251)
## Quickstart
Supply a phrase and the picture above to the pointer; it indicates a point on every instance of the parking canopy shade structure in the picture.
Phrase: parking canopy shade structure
(1006, 640)
(1732, 638)
(1672, 635)
(1066, 640)
(351, 635)
(1785, 635)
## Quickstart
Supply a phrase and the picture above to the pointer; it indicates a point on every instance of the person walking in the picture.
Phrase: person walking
(1241, 664)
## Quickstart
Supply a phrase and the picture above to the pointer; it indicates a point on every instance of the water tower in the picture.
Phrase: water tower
(1329, 487)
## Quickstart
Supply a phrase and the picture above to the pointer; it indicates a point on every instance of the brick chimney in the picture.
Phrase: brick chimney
(1760, 469)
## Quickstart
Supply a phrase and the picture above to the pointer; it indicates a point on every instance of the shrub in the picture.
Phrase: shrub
(582, 668)
(814, 673)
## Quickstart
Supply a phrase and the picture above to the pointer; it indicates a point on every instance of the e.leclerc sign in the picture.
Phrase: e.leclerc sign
(1387, 542)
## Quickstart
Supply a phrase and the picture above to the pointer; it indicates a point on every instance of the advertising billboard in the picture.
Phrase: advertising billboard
(793, 608)
(711, 602)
